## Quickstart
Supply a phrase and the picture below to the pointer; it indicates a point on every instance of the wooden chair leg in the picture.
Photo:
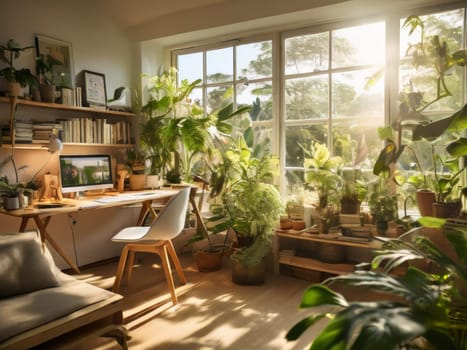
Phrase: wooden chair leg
(167, 271)
(129, 266)
(120, 269)
(176, 261)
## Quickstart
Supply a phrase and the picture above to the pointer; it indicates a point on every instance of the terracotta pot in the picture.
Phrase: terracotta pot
(208, 261)
(47, 93)
(247, 274)
(14, 89)
(137, 182)
(447, 210)
(425, 200)
(350, 206)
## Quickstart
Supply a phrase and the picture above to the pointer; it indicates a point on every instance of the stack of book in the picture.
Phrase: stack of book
(41, 132)
(353, 230)
(23, 132)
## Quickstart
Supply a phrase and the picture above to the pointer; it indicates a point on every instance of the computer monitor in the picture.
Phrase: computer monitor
(80, 173)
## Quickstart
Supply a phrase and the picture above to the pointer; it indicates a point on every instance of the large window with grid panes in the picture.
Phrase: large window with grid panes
(334, 84)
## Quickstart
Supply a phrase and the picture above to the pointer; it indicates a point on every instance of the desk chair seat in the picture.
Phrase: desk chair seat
(155, 239)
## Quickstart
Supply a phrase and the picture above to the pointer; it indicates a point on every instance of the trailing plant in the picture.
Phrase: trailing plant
(417, 305)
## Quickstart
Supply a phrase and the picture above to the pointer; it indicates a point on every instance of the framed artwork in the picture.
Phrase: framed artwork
(61, 52)
(94, 91)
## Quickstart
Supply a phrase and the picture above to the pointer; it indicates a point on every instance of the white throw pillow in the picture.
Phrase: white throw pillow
(25, 264)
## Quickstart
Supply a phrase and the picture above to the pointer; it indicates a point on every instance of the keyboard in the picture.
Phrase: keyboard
(115, 199)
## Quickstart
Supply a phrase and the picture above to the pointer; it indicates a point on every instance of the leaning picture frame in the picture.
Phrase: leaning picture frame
(94, 90)
(61, 51)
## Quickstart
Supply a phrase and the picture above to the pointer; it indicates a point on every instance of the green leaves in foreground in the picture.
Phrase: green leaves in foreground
(413, 305)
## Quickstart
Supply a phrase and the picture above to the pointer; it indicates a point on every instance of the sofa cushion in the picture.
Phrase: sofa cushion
(25, 264)
(28, 311)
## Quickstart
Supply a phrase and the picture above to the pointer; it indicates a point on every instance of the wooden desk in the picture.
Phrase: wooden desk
(42, 216)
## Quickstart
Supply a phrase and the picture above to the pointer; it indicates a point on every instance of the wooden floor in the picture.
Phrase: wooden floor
(213, 313)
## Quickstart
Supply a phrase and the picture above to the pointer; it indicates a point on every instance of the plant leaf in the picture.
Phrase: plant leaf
(297, 330)
(318, 295)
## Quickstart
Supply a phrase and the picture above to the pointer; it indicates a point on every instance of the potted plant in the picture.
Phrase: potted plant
(136, 169)
(322, 176)
(44, 68)
(15, 78)
(415, 310)
(250, 206)
(12, 194)
(354, 191)
(447, 184)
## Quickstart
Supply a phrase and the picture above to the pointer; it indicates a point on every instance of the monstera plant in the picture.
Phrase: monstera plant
(427, 308)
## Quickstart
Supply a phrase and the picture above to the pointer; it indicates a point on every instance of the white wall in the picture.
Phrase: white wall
(98, 45)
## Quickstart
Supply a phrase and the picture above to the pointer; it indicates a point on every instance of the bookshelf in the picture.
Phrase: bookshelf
(77, 125)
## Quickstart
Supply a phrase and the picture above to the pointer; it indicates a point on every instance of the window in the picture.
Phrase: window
(332, 85)
(333, 94)
(239, 73)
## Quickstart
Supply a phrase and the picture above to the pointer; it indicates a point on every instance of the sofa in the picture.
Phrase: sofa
(42, 307)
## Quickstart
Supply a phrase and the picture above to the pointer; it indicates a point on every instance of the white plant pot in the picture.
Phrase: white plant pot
(10, 203)
(152, 181)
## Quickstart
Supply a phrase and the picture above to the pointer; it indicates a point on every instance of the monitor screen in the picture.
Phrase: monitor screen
(85, 172)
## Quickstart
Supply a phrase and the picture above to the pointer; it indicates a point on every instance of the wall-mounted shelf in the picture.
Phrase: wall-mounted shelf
(79, 126)
(67, 107)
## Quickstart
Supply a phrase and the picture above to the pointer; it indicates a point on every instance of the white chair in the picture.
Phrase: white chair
(155, 239)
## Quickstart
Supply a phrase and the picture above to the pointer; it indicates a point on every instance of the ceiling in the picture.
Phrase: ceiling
(152, 19)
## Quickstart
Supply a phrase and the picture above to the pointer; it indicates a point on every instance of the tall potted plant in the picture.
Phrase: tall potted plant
(251, 206)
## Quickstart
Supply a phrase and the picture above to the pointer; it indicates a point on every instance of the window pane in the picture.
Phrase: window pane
(219, 97)
(259, 97)
(357, 142)
(294, 181)
(353, 97)
(307, 53)
(190, 67)
(196, 97)
(262, 133)
(418, 72)
(306, 98)
(219, 65)
(358, 45)
(302, 135)
(254, 60)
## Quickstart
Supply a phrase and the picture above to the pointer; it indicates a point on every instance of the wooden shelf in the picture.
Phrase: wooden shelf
(323, 239)
(282, 257)
(313, 264)
(43, 146)
(67, 108)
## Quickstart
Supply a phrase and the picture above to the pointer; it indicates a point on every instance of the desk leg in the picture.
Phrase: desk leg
(24, 223)
(42, 226)
(145, 209)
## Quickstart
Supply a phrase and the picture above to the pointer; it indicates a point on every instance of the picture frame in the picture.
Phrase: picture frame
(62, 74)
(94, 89)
